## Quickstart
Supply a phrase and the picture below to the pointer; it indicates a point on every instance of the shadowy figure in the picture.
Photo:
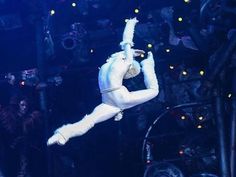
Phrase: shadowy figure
(167, 15)
(20, 138)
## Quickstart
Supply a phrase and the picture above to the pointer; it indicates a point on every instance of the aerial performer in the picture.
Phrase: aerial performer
(115, 97)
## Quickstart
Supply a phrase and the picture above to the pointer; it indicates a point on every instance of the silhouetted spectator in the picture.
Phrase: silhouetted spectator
(20, 137)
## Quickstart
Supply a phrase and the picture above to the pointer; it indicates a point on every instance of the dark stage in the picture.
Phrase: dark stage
(181, 122)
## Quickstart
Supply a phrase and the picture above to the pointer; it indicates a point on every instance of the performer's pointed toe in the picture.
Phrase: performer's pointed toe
(56, 139)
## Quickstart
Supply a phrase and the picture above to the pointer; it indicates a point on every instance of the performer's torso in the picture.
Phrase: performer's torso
(111, 74)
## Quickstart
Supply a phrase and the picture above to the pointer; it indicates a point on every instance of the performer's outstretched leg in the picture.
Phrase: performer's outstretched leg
(101, 113)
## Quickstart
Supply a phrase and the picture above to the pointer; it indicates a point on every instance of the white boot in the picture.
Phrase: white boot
(148, 68)
(64, 133)
(57, 138)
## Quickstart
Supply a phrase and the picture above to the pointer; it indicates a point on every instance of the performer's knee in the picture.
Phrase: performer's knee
(154, 91)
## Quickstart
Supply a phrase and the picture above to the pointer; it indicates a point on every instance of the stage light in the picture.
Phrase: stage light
(136, 11)
(73, 4)
(52, 12)
(171, 67)
(200, 117)
(199, 126)
(201, 72)
(183, 117)
(229, 95)
(149, 46)
(168, 50)
(184, 73)
(142, 55)
(91, 50)
(180, 19)
(22, 83)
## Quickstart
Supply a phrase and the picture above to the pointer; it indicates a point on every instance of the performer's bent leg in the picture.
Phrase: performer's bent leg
(101, 113)
(131, 99)
(141, 96)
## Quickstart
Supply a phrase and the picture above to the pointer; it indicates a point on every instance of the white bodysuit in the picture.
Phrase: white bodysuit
(115, 96)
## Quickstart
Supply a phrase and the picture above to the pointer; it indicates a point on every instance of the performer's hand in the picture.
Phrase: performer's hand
(57, 138)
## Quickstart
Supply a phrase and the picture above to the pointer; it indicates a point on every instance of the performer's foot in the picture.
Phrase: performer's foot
(149, 61)
(57, 138)
(148, 68)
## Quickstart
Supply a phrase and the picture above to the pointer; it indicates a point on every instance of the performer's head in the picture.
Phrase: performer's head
(133, 70)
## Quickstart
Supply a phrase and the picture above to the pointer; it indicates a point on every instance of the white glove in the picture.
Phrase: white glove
(128, 33)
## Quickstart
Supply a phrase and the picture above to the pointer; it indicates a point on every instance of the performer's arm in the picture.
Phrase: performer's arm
(127, 42)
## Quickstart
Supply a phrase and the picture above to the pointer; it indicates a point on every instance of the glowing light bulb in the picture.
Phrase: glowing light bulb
(142, 55)
(181, 152)
(136, 11)
(184, 73)
(201, 72)
(22, 83)
(180, 19)
(183, 117)
(149, 45)
(171, 67)
(168, 50)
(73, 4)
(229, 95)
(187, 1)
(199, 126)
(52, 12)
(200, 117)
